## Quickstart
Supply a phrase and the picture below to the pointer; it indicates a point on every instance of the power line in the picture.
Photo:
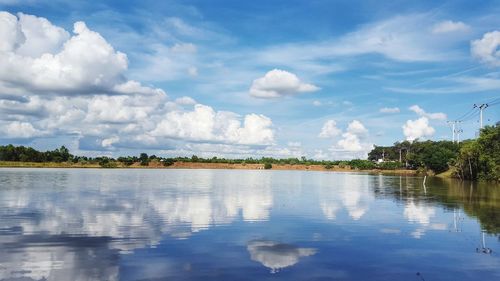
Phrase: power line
(471, 116)
(466, 114)
(474, 112)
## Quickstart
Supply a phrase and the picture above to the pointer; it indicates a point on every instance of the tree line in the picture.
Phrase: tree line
(471, 159)
(62, 154)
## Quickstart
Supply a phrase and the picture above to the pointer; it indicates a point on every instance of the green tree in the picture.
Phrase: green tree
(144, 159)
(480, 159)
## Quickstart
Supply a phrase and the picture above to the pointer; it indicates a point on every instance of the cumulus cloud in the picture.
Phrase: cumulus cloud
(449, 26)
(185, 101)
(356, 128)
(389, 110)
(433, 116)
(352, 144)
(204, 124)
(18, 129)
(420, 128)
(56, 83)
(329, 129)
(85, 64)
(486, 48)
(279, 83)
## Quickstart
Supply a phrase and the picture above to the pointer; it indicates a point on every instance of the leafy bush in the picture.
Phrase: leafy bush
(362, 164)
(389, 165)
(105, 162)
(268, 166)
(168, 162)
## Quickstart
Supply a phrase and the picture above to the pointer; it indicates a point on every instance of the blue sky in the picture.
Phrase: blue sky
(323, 79)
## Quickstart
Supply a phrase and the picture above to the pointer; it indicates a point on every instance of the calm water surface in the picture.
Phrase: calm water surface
(71, 224)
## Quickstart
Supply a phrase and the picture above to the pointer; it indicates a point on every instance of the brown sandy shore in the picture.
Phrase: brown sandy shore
(190, 165)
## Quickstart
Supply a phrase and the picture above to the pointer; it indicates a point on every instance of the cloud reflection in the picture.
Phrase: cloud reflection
(277, 256)
(351, 192)
(120, 218)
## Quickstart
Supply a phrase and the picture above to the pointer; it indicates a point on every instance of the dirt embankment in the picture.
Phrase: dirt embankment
(191, 165)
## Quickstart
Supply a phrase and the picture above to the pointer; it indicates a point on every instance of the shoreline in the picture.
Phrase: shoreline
(199, 165)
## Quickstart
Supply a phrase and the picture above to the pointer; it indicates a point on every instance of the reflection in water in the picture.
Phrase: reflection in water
(48, 226)
(351, 192)
(276, 256)
(83, 224)
(483, 249)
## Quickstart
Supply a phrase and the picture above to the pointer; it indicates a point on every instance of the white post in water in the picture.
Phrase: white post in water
(425, 188)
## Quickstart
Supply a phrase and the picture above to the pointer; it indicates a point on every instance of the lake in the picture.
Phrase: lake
(134, 224)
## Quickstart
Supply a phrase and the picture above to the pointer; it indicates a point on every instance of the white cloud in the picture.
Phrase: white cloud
(279, 83)
(133, 87)
(110, 141)
(41, 36)
(352, 139)
(86, 63)
(353, 142)
(185, 101)
(414, 129)
(329, 129)
(10, 32)
(398, 38)
(204, 124)
(349, 142)
(450, 26)
(317, 103)
(356, 128)
(389, 110)
(59, 84)
(486, 48)
(18, 129)
(433, 116)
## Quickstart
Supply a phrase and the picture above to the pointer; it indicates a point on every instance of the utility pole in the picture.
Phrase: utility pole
(459, 131)
(455, 130)
(481, 107)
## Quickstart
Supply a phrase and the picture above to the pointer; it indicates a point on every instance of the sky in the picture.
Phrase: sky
(320, 79)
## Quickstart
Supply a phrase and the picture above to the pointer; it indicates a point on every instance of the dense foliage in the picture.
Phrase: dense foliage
(480, 158)
(430, 155)
(28, 154)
